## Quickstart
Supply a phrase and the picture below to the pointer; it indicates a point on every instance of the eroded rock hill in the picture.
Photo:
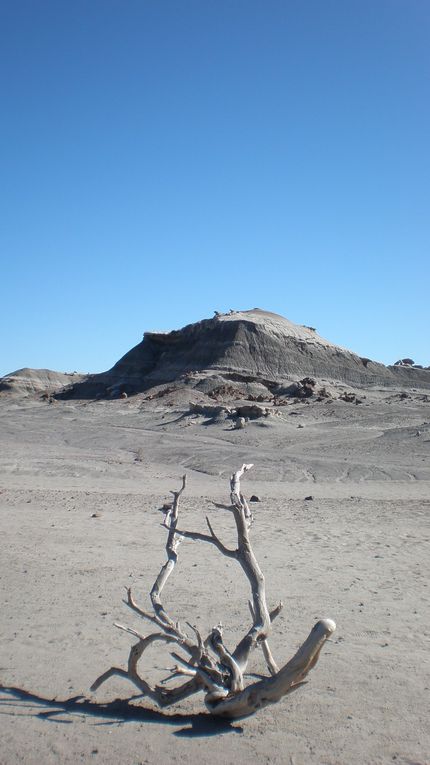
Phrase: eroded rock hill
(252, 347)
(37, 381)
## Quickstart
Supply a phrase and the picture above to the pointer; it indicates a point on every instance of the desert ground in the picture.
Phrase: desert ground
(82, 484)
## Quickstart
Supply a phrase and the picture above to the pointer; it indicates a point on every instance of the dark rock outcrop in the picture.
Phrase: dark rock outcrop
(404, 363)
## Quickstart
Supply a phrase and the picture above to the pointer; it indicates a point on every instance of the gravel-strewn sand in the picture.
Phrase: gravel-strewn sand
(358, 553)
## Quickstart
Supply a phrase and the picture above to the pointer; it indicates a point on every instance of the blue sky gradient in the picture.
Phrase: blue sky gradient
(161, 159)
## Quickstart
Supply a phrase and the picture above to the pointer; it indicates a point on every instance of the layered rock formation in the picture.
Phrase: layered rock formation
(29, 381)
(250, 347)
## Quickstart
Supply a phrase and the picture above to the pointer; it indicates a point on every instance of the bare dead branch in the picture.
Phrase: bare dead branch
(178, 672)
(135, 654)
(200, 642)
(273, 613)
(272, 689)
(183, 662)
(173, 541)
(262, 624)
(151, 617)
(211, 666)
(271, 663)
(276, 611)
(212, 539)
(227, 659)
(219, 544)
(235, 493)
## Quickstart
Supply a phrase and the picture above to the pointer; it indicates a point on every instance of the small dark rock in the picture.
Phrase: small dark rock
(254, 498)
(404, 363)
(310, 497)
(350, 398)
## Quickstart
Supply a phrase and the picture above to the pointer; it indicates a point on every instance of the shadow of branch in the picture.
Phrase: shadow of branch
(117, 711)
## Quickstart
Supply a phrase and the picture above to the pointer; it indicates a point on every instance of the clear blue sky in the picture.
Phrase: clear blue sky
(160, 159)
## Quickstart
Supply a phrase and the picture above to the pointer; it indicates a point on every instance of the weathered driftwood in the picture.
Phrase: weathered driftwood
(206, 662)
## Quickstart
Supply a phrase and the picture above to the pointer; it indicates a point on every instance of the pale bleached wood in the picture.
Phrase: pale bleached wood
(197, 536)
(172, 544)
(162, 697)
(213, 669)
(226, 659)
(160, 616)
(272, 689)
(261, 626)
(270, 661)
(172, 630)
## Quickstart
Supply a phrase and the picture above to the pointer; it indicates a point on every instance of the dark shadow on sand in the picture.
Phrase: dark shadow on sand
(114, 712)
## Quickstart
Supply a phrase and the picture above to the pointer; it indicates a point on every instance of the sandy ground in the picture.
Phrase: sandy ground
(357, 552)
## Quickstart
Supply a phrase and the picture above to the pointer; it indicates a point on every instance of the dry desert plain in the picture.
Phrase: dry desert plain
(82, 484)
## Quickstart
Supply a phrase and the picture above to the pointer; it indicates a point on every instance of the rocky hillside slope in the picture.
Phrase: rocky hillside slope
(245, 347)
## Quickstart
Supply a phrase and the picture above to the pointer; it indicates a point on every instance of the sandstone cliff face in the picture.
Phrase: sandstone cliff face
(255, 345)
